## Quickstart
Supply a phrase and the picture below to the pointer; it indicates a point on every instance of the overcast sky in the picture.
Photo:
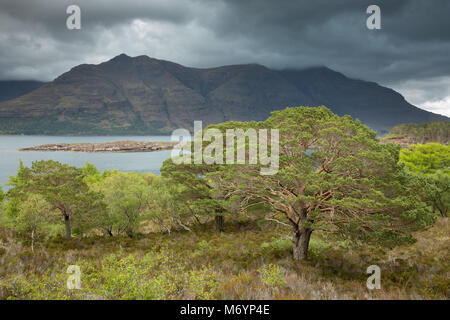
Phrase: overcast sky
(411, 52)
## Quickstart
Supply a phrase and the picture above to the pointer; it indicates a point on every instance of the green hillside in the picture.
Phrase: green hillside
(410, 133)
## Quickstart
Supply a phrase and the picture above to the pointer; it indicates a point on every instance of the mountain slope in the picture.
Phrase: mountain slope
(379, 107)
(143, 95)
(16, 88)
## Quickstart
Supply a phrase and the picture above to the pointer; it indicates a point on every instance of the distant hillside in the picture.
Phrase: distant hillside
(13, 89)
(406, 134)
(143, 95)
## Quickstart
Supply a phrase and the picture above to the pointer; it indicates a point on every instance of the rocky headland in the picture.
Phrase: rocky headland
(117, 146)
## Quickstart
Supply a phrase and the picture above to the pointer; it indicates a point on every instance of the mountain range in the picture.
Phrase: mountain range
(143, 95)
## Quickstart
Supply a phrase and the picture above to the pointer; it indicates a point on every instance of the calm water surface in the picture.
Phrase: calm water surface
(133, 161)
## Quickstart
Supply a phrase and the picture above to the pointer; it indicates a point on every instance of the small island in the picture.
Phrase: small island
(117, 146)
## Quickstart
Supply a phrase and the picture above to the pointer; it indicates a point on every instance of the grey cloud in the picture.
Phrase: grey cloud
(413, 44)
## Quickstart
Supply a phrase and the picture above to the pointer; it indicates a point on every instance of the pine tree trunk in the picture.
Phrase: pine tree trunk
(300, 242)
(218, 223)
(68, 231)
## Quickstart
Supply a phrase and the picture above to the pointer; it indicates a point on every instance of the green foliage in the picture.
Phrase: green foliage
(277, 246)
(438, 192)
(3, 206)
(272, 277)
(91, 174)
(2, 201)
(318, 245)
(129, 278)
(153, 276)
(334, 176)
(203, 283)
(168, 208)
(199, 192)
(431, 163)
(35, 218)
(426, 158)
(63, 187)
(127, 196)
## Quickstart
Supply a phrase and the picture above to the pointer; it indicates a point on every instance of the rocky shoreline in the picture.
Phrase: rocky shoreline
(117, 146)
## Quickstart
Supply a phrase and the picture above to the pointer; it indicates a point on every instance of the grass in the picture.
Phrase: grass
(247, 261)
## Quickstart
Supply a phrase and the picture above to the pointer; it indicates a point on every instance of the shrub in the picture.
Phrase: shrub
(202, 284)
(272, 277)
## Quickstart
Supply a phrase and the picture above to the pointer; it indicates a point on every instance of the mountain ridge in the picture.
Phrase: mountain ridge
(144, 95)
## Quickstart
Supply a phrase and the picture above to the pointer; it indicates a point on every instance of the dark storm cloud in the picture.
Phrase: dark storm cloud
(50, 15)
(414, 39)
(411, 49)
